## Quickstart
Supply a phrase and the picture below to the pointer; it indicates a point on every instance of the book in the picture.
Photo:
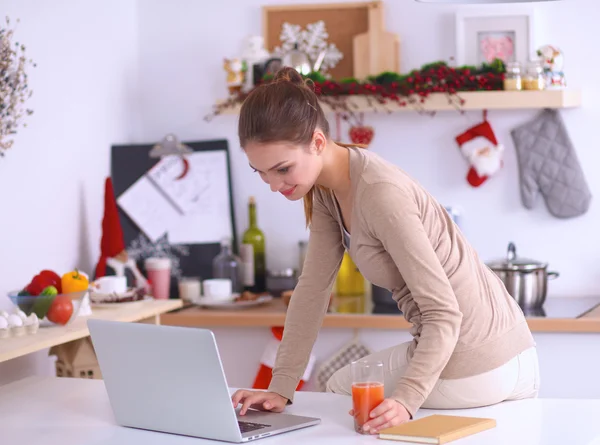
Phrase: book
(437, 429)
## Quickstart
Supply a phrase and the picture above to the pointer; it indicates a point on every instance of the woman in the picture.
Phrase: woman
(471, 344)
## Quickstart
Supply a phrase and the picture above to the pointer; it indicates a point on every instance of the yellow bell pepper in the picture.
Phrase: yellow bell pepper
(74, 282)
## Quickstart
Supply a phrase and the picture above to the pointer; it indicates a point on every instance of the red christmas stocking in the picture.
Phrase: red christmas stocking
(481, 149)
(267, 362)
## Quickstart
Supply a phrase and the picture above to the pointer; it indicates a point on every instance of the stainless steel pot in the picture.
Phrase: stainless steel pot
(525, 279)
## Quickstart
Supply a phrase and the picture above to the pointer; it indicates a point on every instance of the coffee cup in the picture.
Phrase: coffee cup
(218, 289)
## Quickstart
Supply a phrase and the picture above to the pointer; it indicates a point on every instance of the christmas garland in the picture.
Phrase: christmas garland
(410, 89)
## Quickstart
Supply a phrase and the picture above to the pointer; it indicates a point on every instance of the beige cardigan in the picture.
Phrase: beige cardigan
(464, 320)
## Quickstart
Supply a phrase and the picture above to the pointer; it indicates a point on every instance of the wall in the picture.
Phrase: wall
(52, 182)
(181, 53)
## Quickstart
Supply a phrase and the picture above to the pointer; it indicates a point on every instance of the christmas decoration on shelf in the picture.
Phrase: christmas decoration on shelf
(481, 149)
(311, 41)
(14, 87)
(405, 90)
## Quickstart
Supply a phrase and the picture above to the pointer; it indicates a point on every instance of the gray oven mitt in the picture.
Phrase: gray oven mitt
(548, 164)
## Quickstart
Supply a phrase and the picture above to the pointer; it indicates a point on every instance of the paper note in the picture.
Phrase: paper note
(184, 186)
(204, 196)
(192, 209)
(148, 208)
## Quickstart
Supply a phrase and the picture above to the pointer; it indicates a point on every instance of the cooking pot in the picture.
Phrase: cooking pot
(525, 279)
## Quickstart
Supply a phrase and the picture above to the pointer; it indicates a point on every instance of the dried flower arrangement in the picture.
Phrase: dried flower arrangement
(14, 88)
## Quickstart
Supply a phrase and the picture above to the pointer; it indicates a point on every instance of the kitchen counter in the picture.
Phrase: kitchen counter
(57, 411)
(49, 336)
(562, 315)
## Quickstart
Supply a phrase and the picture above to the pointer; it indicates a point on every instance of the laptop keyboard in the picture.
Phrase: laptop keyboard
(246, 427)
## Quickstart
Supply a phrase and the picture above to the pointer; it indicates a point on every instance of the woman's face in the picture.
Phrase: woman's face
(288, 169)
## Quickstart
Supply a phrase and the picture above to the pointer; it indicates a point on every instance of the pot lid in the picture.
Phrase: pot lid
(513, 262)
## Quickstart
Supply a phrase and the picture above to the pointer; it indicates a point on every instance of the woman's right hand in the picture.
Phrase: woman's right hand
(266, 401)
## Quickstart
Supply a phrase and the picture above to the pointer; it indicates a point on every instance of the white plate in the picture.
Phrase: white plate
(233, 304)
(120, 303)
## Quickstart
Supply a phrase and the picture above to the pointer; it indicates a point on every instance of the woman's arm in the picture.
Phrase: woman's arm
(393, 217)
(309, 301)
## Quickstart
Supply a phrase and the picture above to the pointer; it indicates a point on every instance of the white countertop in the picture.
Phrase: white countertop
(61, 411)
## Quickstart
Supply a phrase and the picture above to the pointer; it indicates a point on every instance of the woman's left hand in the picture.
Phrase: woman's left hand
(388, 413)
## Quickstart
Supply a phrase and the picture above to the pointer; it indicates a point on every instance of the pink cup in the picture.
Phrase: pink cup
(159, 275)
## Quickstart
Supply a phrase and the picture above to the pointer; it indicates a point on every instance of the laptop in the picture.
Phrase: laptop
(170, 379)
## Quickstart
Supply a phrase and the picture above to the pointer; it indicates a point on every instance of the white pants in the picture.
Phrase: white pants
(517, 379)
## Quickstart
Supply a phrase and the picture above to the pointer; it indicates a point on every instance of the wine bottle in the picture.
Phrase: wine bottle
(253, 253)
(227, 265)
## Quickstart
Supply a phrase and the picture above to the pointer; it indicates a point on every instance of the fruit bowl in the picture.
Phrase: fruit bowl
(41, 305)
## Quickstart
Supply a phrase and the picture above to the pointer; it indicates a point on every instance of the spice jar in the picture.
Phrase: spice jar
(512, 77)
(534, 80)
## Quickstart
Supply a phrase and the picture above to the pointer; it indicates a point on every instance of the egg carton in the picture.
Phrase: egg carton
(17, 323)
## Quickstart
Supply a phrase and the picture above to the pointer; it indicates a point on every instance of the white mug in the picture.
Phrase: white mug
(217, 289)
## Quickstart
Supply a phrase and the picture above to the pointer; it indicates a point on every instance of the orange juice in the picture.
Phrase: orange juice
(365, 397)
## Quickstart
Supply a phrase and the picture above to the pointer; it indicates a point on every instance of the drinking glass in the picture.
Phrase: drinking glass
(367, 390)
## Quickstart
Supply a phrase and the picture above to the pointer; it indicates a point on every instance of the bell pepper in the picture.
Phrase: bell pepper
(54, 278)
(74, 282)
(38, 284)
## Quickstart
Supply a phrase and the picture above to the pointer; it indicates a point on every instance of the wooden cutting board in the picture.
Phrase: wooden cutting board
(376, 50)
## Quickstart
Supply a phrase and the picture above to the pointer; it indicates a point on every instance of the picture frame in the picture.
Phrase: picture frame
(482, 35)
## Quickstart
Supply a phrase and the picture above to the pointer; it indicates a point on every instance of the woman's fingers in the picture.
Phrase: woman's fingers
(238, 396)
(252, 399)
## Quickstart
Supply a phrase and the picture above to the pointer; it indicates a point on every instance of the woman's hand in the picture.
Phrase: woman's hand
(388, 413)
(267, 401)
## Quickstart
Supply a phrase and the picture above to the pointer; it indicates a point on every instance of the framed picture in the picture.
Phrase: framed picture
(482, 36)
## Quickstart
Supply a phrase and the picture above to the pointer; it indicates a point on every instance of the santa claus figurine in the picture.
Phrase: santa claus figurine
(483, 152)
(114, 259)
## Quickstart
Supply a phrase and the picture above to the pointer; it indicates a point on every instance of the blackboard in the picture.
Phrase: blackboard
(128, 164)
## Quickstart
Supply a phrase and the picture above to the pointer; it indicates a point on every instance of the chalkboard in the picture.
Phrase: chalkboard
(128, 164)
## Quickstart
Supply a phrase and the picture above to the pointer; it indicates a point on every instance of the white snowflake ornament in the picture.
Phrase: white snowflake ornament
(312, 41)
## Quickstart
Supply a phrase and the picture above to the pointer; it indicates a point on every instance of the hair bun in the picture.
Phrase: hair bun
(288, 74)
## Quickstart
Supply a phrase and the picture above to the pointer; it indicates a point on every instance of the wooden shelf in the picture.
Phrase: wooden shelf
(474, 100)
(49, 336)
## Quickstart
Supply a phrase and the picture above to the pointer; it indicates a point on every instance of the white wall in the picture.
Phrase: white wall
(182, 47)
(52, 180)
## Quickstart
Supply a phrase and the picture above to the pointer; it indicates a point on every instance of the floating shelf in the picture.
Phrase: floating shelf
(474, 100)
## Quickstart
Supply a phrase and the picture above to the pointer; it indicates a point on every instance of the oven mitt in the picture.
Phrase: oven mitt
(548, 165)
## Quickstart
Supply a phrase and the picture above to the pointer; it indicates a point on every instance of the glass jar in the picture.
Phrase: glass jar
(228, 265)
(512, 77)
(534, 80)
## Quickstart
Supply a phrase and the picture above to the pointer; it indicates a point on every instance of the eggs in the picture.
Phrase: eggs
(18, 323)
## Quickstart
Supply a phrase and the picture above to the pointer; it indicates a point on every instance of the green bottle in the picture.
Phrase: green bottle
(252, 253)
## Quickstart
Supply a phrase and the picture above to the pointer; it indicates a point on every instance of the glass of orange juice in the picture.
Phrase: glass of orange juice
(367, 390)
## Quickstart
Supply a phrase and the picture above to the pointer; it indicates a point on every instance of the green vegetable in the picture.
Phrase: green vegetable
(49, 290)
(26, 303)
(42, 304)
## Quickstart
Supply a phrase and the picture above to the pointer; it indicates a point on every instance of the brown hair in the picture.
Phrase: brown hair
(283, 110)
